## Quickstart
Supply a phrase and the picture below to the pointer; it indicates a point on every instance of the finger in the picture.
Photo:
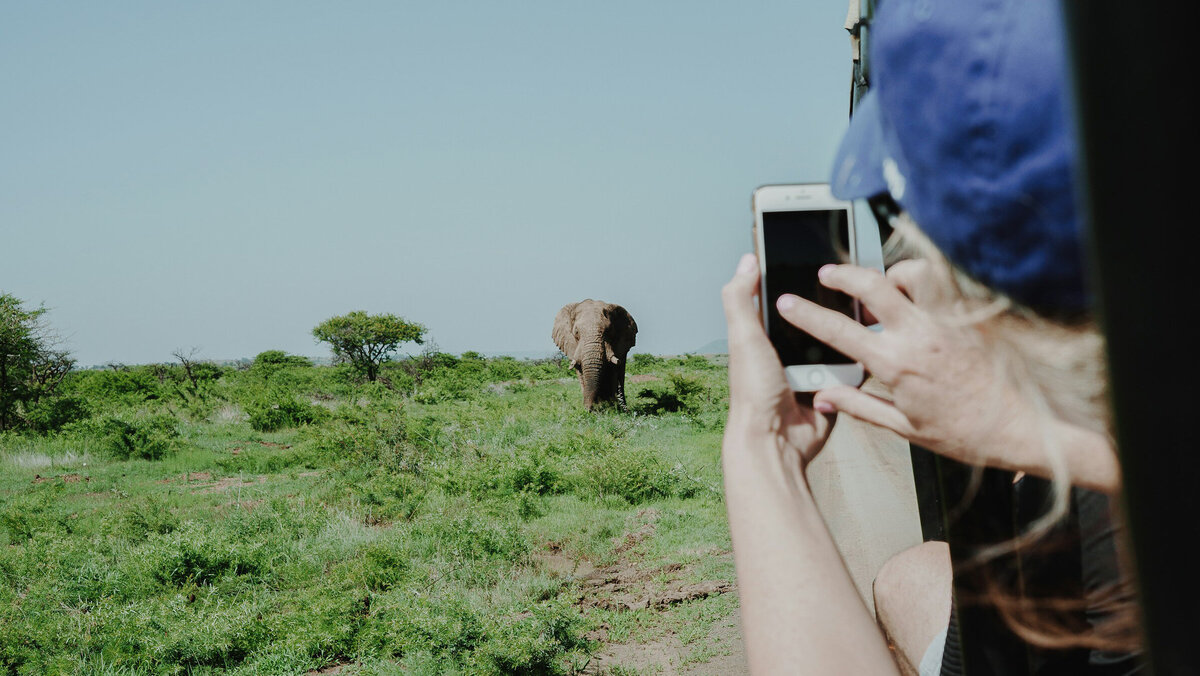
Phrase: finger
(879, 295)
(914, 278)
(738, 295)
(863, 406)
(831, 327)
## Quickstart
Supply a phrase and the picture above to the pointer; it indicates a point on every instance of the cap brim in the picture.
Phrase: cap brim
(858, 168)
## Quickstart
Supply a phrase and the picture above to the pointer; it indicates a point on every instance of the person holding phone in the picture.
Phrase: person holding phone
(987, 345)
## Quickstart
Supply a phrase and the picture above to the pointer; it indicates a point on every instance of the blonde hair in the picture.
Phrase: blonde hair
(1058, 368)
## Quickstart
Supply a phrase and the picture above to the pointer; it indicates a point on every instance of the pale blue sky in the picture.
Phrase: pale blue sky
(225, 175)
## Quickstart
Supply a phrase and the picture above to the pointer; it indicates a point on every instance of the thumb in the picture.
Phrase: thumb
(738, 298)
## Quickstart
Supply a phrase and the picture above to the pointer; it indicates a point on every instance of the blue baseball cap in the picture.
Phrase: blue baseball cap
(967, 127)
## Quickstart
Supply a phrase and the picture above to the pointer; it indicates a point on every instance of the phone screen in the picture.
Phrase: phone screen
(797, 244)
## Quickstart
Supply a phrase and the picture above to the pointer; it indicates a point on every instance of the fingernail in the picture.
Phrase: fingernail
(786, 302)
(824, 407)
(825, 271)
(747, 265)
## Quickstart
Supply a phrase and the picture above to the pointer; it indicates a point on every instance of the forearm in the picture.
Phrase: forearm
(800, 610)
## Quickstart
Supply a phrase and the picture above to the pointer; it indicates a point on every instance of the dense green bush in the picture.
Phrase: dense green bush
(636, 477)
(267, 364)
(276, 410)
(151, 437)
(279, 358)
(680, 393)
(24, 518)
(200, 556)
(644, 363)
(126, 385)
(51, 415)
(693, 362)
(140, 518)
(391, 496)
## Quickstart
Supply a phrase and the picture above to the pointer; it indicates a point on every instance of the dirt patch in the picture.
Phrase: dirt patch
(626, 587)
(66, 478)
(560, 564)
(629, 586)
(629, 540)
(721, 652)
(230, 482)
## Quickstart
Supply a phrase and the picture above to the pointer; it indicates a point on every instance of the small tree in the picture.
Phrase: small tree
(366, 341)
(31, 363)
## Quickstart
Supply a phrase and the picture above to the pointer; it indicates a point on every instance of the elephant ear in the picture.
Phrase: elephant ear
(625, 328)
(564, 329)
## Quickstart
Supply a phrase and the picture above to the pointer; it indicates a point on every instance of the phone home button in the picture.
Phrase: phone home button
(816, 378)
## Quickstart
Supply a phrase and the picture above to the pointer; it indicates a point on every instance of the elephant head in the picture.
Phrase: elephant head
(596, 337)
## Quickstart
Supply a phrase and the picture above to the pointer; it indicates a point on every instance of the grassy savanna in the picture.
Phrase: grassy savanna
(458, 515)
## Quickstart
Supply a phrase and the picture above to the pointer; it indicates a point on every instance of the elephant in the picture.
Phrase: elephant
(596, 336)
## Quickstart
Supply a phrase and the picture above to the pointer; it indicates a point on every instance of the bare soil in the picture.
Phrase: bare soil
(628, 585)
(202, 482)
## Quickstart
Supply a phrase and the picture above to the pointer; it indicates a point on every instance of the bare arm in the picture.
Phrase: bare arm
(801, 613)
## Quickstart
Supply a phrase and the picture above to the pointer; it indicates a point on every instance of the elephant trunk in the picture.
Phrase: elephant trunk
(591, 365)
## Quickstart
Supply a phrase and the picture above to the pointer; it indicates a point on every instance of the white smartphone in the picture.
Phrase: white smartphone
(797, 229)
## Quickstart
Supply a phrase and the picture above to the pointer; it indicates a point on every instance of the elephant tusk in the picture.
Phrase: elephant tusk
(573, 363)
(614, 359)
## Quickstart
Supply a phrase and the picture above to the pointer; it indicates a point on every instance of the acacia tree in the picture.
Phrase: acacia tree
(31, 363)
(366, 341)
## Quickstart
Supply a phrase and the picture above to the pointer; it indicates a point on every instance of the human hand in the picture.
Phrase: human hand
(763, 410)
(947, 394)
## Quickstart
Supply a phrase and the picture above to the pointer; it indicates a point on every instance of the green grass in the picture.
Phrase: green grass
(399, 529)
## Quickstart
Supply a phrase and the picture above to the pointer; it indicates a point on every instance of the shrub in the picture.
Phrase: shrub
(536, 643)
(124, 385)
(279, 358)
(50, 415)
(644, 363)
(279, 410)
(141, 518)
(445, 627)
(472, 538)
(267, 364)
(532, 472)
(200, 556)
(381, 565)
(632, 475)
(503, 368)
(150, 438)
(694, 362)
(448, 385)
(375, 436)
(392, 496)
(680, 394)
(24, 518)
